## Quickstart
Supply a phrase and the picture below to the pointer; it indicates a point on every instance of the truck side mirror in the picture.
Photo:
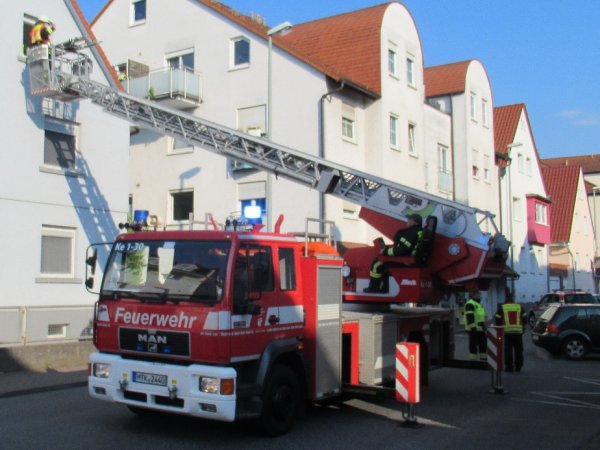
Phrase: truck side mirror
(90, 264)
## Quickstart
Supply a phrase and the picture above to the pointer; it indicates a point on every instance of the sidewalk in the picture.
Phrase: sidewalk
(30, 382)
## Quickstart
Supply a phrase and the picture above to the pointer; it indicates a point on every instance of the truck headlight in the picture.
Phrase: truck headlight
(209, 385)
(346, 271)
(101, 370)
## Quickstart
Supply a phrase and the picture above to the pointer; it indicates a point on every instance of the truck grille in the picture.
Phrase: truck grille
(156, 342)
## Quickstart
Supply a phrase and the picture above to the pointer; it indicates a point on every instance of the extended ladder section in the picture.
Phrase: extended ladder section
(63, 72)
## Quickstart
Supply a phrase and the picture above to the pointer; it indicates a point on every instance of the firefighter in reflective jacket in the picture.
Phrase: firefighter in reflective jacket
(475, 318)
(41, 31)
(405, 244)
(512, 317)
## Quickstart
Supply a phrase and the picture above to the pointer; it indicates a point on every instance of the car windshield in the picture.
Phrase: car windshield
(179, 270)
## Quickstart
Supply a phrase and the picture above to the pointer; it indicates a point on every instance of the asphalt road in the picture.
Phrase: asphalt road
(552, 404)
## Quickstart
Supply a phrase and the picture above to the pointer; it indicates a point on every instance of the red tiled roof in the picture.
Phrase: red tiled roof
(446, 79)
(343, 47)
(561, 183)
(506, 121)
(349, 43)
(588, 163)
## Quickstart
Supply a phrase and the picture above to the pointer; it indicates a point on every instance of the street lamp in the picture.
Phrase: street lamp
(282, 28)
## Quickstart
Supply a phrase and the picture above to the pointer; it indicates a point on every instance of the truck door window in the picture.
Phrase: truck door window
(287, 269)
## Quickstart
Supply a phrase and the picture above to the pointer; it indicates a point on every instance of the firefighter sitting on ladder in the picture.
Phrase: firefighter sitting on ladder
(41, 31)
(405, 243)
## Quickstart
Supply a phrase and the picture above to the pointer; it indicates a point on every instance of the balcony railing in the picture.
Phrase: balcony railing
(180, 88)
(445, 181)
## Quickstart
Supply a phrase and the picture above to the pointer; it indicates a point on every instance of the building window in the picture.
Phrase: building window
(392, 65)
(182, 60)
(393, 131)
(287, 272)
(59, 150)
(517, 214)
(348, 128)
(350, 210)
(182, 205)
(179, 146)
(473, 106)
(486, 168)
(528, 168)
(484, 112)
(541, 214)
(57, 252)
(410, 71)
(412, 144)
(475, 164)
(28, 23)
(138, 12)
(520, 163)
(445, 168)
(348, 123)
(240, 52)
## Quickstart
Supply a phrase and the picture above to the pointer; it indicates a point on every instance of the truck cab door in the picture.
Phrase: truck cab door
(254, 300)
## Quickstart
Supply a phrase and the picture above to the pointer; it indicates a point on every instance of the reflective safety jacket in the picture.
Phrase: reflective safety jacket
(512, 316)
(474, 316)
(405, 241)
(40, 33)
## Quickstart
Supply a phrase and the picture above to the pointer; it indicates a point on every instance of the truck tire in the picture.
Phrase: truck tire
(574, 348)
(281, 401)
(532, 320)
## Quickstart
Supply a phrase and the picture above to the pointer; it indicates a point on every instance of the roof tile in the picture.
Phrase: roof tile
(561, 183)
(446, 79)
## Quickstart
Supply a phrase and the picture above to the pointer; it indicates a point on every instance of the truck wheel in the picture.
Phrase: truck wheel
(531, 320)
(574, 348)
(281, 401)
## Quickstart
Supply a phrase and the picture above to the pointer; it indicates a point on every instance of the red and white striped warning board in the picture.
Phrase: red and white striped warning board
(495, 348)
(408, 386)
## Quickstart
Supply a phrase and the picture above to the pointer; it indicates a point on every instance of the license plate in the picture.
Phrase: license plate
(149, 378)
(535, 337)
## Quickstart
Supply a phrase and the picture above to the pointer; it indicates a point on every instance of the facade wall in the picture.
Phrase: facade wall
(298, 126)
(37, 198)
(582, 241)
(520, 179)
(225, 92)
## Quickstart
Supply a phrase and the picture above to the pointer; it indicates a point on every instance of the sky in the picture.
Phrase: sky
(544, 53)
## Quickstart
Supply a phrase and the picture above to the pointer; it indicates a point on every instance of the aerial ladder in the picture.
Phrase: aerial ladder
(464, 253)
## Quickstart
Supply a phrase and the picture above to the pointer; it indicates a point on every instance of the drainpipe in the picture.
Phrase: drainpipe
(322, 146)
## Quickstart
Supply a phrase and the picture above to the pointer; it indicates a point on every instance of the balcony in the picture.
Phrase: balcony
(177, 88)
(445, 181)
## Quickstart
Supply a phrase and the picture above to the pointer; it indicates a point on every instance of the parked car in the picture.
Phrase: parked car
(567, 297)
(570, 329)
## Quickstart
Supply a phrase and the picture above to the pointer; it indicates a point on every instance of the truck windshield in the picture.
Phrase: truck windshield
(178, 270)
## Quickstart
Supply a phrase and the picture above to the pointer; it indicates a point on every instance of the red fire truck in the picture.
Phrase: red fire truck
(233, 322)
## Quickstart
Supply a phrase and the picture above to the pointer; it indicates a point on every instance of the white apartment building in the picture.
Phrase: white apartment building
(524, 203)
(359, 102)
(64, 186)
(463, 91)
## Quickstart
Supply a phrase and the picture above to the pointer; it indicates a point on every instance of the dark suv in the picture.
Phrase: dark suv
(572, 330)
(551, 298)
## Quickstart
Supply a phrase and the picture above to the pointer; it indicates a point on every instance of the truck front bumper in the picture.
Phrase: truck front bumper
(163, 387)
